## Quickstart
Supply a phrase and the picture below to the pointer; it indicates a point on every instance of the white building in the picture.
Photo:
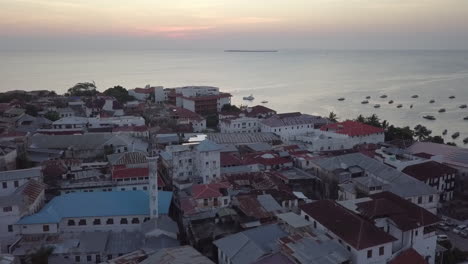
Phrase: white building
(242, 124)
(186, 117)
(358, 172)
(366, 243)
(412, 226)
(203, 100)
(25, 200)
(289, 125)
(143, 94)
(198, 163)
(344, 135)
(12, 180)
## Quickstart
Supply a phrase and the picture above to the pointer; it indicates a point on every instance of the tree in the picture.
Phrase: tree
(451, 144)
(41, 256)
(119, 93)
(31, 110)
(83, 89)
(436, 139)
(421, 133)
(332, 117)
(361, 119)
(52, 116)
(230, 108)
(401, 133)
(385, 124)
(373, 120)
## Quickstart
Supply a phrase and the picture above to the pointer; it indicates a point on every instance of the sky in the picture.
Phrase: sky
(277, 24)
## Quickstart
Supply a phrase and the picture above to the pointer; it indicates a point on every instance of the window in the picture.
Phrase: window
(110, 221)
(225, 201)
(307, 217)
(4, 185)
(381, 251)
(10, 228)
(348, 248)
(16, 183)
(89, 258)
(71, 222)
(7, 209)
(205, 202)
(123, 221)
(135, 220)
(145, 188)
(315, 224)
(419, 200)
(415, 232)
(77, 259)
(82, 222)
(45, 228)
(369, 253)
(109, 257)
(97, 222)
(431, 198)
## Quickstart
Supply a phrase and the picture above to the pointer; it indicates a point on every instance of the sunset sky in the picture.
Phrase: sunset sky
(341, 24)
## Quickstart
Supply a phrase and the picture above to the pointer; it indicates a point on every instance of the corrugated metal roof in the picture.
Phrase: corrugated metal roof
(104, 204)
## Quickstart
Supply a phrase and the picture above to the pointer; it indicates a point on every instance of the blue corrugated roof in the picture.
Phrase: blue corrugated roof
(99, 204)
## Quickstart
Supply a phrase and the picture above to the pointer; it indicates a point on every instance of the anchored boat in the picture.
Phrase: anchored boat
(456, 135)
(442, 110)
(249, 98)
(365, 102)
(429, 117)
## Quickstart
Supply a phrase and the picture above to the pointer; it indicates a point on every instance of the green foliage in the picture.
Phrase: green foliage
(361, 119)
(373, 120)
(8, 97)
(332, 117)
(422, 133)
(41, 256)
(83, 89)
(31, 110)
(230, 108)
(52, 116)
(212, 121)
(436, 139)
(401, 133)
(119, 93)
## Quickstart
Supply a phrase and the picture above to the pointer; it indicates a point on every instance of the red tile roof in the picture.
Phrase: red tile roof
(352, 128)
(251, 207)
(353, 229)
(405, 214)
(212, 190)
(429, 170)
(144, 90)
(258, 110)
(179, 112)
(409, 256)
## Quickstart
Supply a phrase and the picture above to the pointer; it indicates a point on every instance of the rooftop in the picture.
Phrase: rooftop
(352, 128)
(212, 190)
(178, 255)
(451, 155)
(429, 170)
(21, 174)
(353, 229)
(104, 204)
(291, 119)
(243, 138)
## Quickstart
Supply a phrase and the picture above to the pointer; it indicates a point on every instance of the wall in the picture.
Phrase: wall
(286, 132)
(240, 125)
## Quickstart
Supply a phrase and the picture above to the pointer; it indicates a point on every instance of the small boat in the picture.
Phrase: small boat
(367, 97)
(445, 132)
(463, 106)
(432, 101)
(377, 106)
(415, 96)
(390, 102)
(264, 102)
(365, 102)
(442, 110)
(452, 97)
(399, 106)
(250, 98)
(465, 118)
(429, 117)
(455, 135)
(341, 99)
(383, 96)
(411, 106)
(465, 140)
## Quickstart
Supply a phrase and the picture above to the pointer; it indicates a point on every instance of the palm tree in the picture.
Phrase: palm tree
(373, 120)
(385, 124)
(421, 132)
(332, 117)
(361, 119)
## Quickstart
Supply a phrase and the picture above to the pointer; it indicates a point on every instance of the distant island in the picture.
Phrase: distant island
(251, 51)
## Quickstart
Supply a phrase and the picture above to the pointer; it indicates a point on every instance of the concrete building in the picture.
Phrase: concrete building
(12, 180)
(358, 173)
(203, 100)
(437, 175)
(366, 242)
(110, 211)
(343, 135)
(289, 125)
(211, 195)
(193, 163)
(412, 226)
(25, 200)
(186, 117)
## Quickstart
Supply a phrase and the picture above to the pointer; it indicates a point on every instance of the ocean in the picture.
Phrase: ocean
(309, 81)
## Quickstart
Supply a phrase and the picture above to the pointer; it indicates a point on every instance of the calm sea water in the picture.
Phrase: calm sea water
(291, 80)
